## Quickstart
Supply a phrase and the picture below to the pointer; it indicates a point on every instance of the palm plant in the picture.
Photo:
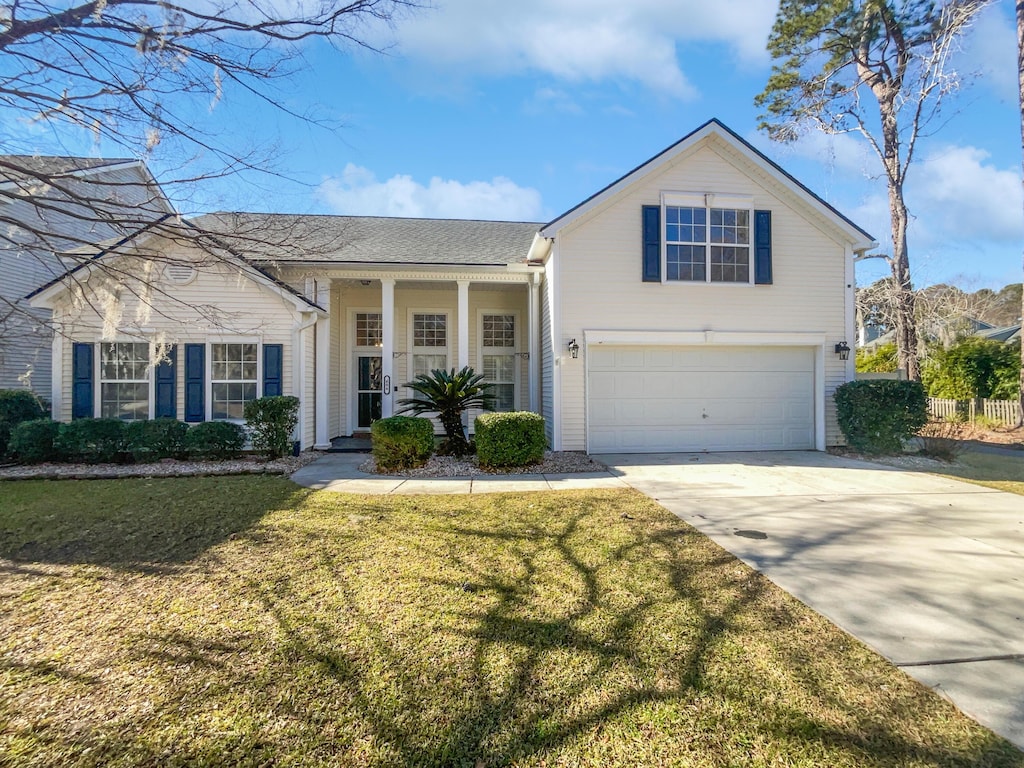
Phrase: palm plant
(449, 394)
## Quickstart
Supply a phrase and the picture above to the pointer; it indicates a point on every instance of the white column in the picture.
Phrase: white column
(387, 345)
(463, 323)
(533, 342)
(322, 364)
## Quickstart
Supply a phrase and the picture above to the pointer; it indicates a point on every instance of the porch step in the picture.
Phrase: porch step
(354, 444)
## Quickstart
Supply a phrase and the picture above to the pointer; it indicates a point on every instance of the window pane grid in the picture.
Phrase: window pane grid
(430, 330)
(499, 330)
(233, 379)
(124, 381)
(688, 258)
(369, 329)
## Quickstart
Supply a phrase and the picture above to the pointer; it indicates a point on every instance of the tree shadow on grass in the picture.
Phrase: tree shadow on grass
(576, 634)
(150, 525)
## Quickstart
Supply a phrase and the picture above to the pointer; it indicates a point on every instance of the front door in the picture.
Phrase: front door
(368, 389)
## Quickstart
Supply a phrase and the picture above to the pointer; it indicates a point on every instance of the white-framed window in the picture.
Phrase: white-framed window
(429, 343)
(498, 357)
(234, 378)
(369, 329)
(125, 380)
(708, 238)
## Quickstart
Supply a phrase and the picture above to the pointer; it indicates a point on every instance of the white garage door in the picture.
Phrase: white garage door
(658, 398)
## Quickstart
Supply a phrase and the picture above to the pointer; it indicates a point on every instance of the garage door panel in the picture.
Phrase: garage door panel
(700, 398)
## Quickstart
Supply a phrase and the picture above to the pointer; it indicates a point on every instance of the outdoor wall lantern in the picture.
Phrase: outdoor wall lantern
(574, 349)
(843, 350)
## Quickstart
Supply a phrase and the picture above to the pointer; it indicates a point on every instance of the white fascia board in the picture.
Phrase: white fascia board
(691, 338)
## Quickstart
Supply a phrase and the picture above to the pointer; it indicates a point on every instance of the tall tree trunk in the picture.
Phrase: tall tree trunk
(1020, 80)
(906, 324)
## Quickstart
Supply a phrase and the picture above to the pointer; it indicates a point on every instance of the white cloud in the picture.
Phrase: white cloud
(958, 194)
(546, 99)
(583, 41)
(357, 191)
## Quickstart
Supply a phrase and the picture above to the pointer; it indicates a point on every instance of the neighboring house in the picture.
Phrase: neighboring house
(50, 205)
(694, 304)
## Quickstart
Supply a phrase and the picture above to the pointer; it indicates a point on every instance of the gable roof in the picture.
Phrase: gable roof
(717, 128)
(324, 239)
(27, 167)
(56, 285)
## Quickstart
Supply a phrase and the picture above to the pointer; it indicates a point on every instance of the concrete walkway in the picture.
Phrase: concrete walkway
(927, 571)
(340, 472)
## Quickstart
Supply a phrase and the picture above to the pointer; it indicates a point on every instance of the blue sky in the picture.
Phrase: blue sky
(491, 109)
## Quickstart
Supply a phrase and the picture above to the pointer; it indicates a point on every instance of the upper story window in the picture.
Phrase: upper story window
(707, 238)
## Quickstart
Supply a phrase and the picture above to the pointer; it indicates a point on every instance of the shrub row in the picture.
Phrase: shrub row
(98, 441)
(502, 440)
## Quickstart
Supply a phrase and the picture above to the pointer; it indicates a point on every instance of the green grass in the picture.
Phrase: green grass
(1002, 472)
(245, 622)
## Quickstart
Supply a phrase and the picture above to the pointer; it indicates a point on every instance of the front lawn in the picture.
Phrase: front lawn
(1000, 471)
(244, 622)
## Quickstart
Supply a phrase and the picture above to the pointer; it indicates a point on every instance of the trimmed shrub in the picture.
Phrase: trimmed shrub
(402, 442)
(510, 439)
(32, 441)
(91, 441)
(877, 416)
(214, 440)
(271, 421)
(154, 440)
(16, 406)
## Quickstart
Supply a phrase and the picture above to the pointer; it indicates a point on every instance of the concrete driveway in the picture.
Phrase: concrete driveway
(928, 571)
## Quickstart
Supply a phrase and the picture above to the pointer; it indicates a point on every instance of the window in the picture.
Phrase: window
(124, 380)
(498, 344)
(429, 343)
(233, 379)
(368, 329)
(704, 244)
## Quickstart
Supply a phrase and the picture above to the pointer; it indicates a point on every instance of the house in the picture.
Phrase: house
(50, 205)
(694, 304)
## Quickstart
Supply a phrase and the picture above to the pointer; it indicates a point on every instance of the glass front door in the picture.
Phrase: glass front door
(368, 389)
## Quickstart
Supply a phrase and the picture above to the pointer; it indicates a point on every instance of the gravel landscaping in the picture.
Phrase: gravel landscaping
(554, 463)
(249, 465)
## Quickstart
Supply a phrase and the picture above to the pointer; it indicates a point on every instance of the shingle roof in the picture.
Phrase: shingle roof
(279, 238)
(17, 167)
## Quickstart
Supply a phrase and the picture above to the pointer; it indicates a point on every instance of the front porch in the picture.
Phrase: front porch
(385, 328)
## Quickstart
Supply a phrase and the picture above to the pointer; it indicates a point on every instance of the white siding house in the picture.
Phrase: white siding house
(50, 205)
(694, 304)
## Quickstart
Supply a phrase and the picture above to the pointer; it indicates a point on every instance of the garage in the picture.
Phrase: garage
(699, 398)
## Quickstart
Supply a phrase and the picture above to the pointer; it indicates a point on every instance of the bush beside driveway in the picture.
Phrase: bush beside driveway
(245, 621)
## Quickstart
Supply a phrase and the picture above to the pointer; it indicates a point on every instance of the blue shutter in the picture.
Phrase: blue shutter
(273, 355)
(167, 386)
(652, 243)
(195, 382)
(763, 247)
(82, 406)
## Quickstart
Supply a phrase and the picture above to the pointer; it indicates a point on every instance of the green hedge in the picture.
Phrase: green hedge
(510, 439)
(32, 441)
(272, 421)
(16, 406)
(402, 442)
(877, 416)
(154, 440)
(92, 441)
(214, 440)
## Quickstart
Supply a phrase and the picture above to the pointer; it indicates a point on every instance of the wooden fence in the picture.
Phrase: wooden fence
(1001, 411)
